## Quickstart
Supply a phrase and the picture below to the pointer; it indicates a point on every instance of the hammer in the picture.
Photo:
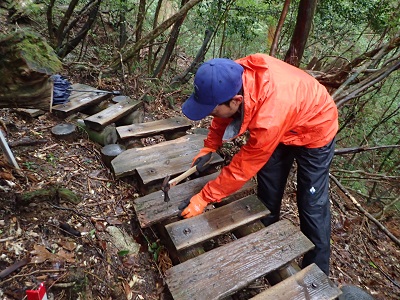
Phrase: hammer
(200, 165)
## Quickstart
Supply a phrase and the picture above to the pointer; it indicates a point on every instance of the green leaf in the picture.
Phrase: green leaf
(123, 253)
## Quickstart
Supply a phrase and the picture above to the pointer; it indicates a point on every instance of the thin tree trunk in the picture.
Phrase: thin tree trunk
(301, 32)
(151, 59)
(185, 76)
(140, 19)
(122, 24)
(50, 25)
(64, 21)
(130, 53)
(278, 30)
(221, 46)
(71, 45)
(170, 45)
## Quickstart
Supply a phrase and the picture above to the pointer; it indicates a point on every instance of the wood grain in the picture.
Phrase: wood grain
(310, 283)
(111, 114)
(151, 209)
(156, 156)
(189, 232)
(79, 100)
(151, 128)
(225, 270)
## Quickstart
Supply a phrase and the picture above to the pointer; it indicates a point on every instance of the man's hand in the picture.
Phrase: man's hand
(203, 151)
(196, 207)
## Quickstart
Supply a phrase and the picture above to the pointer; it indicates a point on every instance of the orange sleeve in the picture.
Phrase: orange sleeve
(216, 132)
(244, 165)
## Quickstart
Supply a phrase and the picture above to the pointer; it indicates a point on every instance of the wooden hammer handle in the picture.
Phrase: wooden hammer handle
(178, 179)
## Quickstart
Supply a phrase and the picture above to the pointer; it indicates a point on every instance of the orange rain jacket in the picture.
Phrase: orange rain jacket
(282, 104)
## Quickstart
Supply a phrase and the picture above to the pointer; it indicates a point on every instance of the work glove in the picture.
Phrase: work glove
(195, 207)
(202, 152)
(202, 159)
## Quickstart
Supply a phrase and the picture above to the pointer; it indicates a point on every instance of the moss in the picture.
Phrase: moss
(51, 193)
(34, 50)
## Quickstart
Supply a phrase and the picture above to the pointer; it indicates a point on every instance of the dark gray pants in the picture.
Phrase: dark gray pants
(312, 194)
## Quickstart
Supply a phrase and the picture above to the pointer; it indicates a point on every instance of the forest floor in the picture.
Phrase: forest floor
(65, 241)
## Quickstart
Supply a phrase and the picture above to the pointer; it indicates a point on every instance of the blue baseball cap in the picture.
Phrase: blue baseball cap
(215, 82)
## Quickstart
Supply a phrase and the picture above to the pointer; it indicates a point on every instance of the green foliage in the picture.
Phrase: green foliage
(350, 27)
(30, 165)
(154, 249)
(123, 253)
(241, 26)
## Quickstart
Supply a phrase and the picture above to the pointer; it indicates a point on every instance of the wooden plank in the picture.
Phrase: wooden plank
(273, 277)
(189, 232)
(151, 128)
(30, 112)
(79, 100)
(157, 155)
(310, 283)
(160, 169)
(229, 268)
(111, 114)
(152, 209)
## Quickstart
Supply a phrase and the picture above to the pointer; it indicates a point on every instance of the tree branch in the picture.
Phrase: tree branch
(361, 209)
(361, 149)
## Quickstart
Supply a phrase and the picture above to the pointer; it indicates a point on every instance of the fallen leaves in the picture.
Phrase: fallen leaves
(41, 254)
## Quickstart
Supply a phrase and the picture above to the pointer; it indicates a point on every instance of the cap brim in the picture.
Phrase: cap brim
(196, 111)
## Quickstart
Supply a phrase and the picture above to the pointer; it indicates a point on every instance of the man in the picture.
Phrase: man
(289, 116)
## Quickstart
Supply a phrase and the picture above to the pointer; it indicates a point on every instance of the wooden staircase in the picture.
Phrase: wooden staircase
(253, 252)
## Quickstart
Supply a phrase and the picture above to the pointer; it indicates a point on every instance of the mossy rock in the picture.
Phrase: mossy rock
(31, 49)
(26, 64)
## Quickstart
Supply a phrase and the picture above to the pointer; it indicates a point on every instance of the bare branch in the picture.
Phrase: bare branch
(361, 209)
(361, 149)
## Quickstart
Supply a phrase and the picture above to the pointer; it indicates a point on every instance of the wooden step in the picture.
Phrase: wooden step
(80, 100)
(189, 232)
(112, 114)
(156, 162)
(141, 130)
(152, 209)
(310, 283)
(227, 269)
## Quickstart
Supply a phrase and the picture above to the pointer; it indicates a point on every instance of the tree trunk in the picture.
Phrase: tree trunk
(65, 48)
(140, 19)
(130, 53)
(151, 59)
(26, 63)
(122, 24)
(170, 45)
(185, 76)
(301, 32)
(278, 30)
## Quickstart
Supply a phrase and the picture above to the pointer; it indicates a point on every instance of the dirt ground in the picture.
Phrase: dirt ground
(61, 234)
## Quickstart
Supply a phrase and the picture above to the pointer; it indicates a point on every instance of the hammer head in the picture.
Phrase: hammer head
(165, 188)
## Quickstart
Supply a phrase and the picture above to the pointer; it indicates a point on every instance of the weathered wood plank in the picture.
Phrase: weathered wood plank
(30, 112)
(273, 277)
(111, 114)
(79, 100)
(224, 270)
(158, 170)
(310, 283)
(189, 232)
(151, 209)
(157, 155)
(156, 127)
